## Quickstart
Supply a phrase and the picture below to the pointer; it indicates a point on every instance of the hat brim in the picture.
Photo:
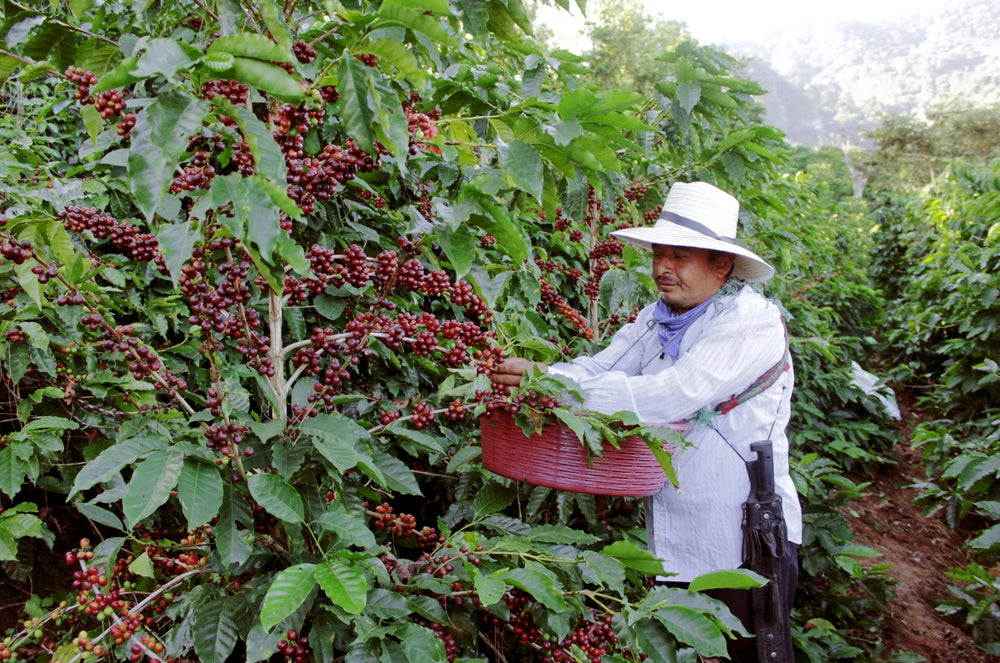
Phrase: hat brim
(747, 265)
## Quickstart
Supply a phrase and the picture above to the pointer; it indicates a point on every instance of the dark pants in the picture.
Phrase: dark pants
(744, 650)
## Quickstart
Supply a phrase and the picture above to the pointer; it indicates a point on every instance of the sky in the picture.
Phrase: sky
(733, 21)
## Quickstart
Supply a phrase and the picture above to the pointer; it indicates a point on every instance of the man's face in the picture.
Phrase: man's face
(687, 276)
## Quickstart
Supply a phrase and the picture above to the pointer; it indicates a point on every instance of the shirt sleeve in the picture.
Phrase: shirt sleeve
(729, 352)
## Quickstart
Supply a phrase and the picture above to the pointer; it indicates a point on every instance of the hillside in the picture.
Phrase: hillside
(826, 82)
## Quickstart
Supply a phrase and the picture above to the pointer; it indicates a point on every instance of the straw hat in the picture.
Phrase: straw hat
(699, 215)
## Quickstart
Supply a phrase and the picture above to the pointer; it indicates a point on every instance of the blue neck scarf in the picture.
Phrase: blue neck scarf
(673, 326)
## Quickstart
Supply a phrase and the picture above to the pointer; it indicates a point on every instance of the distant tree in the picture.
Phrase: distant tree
(965, 132)
(910, 153)
(626, 44)
(903, 154)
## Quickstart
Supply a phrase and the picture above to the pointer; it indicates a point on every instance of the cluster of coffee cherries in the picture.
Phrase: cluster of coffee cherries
(303, 51)
(236, 92)
(312, 178)
(126, 237)
(109, 103)
(595, 638)
(385, 518)
(422, 414)
(224, 437)
(84, 80)
(602, 256)
(143, 361)
(551, 266)
(294, 647)
(45, 274)
(222, 308)
(420, 125)
(550, 296)
(16, 251)
(15, 335)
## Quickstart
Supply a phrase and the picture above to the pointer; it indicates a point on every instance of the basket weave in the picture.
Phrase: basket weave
(555, 458)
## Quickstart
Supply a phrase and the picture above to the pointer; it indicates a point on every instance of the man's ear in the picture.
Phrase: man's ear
(725, 264)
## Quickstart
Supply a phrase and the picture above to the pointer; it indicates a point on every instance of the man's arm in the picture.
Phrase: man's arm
(730, 351)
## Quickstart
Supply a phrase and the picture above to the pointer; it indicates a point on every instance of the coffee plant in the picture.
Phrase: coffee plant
(258, 263)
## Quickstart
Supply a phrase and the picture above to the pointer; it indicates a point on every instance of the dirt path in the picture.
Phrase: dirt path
(920, 551)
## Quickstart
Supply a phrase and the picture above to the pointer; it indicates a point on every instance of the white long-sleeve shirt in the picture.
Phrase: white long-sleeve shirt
(696, 528)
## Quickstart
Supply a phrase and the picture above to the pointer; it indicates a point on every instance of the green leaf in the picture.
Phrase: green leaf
(269, 78)
(734, 579)
(987, 539)
(120, 76)
(43, 39)
(425, 440)
(350, 529)
(151, 483)
(460, 247)
(159, 137)
(199, 490)
(177, 242)
(287, 592)
(522, 163)
(693, 628)
(394, 52)
(684, 70)
(428, 607)
(533, 579)
(561, 534)
(215, 631)
(266, 153)
(335, 437)
(608, 571)
(277, 497)
(655, 642)
(356, 105)
(344, 584)
(16, 523)
(632, 557)
(567, 130)
(420, 645)
(13, 471)
(460, 460)
(92, 121)
(978, 469)
(501, 224)
(234, 544)
(489, 588)
(274, 19)
(397, 475)
(688, 95)
(164, 57)
(143, 566)
(112, 460)
(99, 515)
(414, 19)
(490, 499)
(252, 45)
(8, 546)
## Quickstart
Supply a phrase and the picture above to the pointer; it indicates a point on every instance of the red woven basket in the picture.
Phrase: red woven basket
(555, 458)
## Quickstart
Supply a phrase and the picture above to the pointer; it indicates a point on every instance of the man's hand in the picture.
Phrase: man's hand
(510, 371)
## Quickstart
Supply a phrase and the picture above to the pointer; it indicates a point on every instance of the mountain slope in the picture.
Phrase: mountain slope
(827, 82)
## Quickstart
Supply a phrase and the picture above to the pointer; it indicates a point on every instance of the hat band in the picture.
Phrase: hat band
(691, 224)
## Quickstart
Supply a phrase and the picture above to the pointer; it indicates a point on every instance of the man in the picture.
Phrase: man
(712, 351)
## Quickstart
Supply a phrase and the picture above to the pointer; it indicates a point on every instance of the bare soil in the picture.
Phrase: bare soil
(920, 550)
